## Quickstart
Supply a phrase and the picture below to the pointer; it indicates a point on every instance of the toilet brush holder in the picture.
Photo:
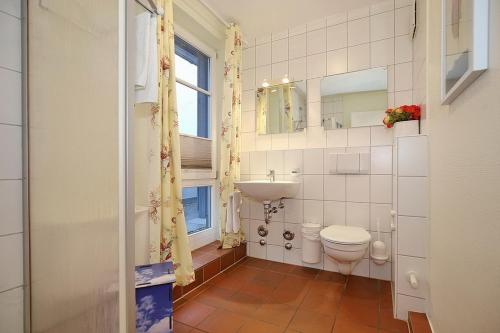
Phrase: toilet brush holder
(379, 253)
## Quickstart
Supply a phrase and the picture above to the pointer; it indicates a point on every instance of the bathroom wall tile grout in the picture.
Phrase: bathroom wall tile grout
(411, 256)
(412, 296)
(412, 223)
(10, 69)
(307, 61)
(9, 124)
(11, 289)
(321, 171)
(10, 234)
(406, 215)
(6, 13)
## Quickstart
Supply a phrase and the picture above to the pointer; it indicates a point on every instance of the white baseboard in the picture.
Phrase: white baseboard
(430, 323)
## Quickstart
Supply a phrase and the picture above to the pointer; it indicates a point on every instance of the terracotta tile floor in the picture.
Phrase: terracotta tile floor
(419, 322)
(262, 296)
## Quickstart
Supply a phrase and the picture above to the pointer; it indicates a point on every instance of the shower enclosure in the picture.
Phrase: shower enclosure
(80, 201)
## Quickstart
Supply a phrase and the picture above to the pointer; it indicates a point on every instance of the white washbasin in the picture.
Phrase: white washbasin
(265, 190)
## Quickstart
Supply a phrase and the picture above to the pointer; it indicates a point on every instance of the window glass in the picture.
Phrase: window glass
(187, 102)
(186, 71)
(191, 64)
(193, 102)
(197, 205)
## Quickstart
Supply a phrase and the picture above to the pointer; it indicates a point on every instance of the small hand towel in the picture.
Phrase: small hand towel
(142, 40)
(149, 94)
(233, 222)
(229, 213)
(236, 211)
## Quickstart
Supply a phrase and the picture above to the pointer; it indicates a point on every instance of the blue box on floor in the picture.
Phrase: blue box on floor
(153, 298)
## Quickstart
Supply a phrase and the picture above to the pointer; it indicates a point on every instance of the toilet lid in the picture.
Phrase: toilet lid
(342, 234)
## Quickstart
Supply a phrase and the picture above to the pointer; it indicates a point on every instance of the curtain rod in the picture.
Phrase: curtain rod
(152, 8)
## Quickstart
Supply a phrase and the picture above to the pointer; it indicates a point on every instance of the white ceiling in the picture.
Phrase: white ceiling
(259, 17)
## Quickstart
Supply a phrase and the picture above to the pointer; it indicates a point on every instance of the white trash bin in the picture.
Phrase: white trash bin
(311, 243)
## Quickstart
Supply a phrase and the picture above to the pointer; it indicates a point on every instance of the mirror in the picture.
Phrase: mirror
(465, 45)
(281, 108)
(354, 99)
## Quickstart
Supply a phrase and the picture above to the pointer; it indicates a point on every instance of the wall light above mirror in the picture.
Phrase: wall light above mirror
(354, 99)
(281, 107)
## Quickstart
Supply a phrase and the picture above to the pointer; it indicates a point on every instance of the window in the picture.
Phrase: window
(197, 208)
(193, 104)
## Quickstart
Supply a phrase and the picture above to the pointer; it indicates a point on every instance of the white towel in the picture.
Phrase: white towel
(233, 212)
(149, 94)
(236, 211)
(142, 40)
(229, 213)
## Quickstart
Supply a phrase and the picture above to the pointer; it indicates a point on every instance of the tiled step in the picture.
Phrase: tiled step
(209, 261)
(418, 323)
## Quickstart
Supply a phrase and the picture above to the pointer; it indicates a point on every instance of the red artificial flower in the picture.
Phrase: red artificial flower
(413, 110)
(402, 113)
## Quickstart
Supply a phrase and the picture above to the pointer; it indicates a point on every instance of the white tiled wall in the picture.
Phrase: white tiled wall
(11, 223)
(361, 38)
(376, 36)
(419, 63)
(411, 239)
(325, 198)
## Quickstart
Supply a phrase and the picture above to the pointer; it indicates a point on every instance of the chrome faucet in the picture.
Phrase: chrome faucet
(272, 175)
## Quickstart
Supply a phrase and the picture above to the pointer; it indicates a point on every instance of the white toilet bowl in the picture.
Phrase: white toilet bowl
(346, 245)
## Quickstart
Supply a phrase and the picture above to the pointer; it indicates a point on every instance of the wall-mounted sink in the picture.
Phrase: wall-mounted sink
(265, 190)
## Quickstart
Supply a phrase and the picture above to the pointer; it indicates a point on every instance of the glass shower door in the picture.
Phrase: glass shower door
(74, 162)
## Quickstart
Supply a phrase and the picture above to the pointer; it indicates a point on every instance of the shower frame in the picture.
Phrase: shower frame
(126, 211)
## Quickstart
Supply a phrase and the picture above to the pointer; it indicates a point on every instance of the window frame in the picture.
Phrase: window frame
(203, 177)
(206, 236)
(211, 54)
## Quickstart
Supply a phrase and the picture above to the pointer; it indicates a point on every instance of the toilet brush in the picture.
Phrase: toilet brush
(379, 250)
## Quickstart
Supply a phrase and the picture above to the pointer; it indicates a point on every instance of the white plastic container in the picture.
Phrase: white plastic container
(379, 249)
(311, 243)
(406, 128)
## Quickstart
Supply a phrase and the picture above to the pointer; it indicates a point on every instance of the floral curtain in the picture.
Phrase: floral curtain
(230, 131)
(168, 230)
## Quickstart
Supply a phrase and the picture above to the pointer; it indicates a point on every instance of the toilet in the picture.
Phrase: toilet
(346, 245)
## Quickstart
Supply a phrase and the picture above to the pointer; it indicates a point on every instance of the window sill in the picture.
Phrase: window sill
(210, 252)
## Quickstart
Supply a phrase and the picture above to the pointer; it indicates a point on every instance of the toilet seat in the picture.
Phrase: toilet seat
(345, 235)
